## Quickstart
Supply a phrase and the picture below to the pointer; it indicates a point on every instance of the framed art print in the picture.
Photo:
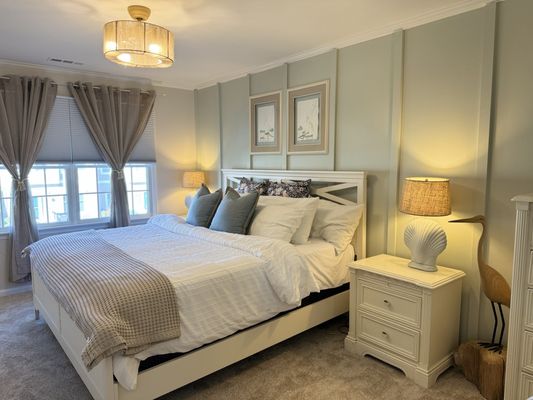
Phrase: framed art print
(308, 118)
(265, 123)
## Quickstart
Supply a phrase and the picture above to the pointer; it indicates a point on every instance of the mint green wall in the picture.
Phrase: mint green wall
(208, 133)
(418, 102)
(443, 69)
(511, 168)
(364, 126)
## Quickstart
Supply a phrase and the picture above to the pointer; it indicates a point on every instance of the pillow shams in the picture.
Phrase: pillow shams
(276, 222)
(203, 206)
(336, 223)
(290, 188)
(309, 207)
(234, 212)
(249, 185)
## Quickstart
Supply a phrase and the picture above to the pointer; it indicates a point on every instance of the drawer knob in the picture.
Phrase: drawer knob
(386, 302)
(384, 333)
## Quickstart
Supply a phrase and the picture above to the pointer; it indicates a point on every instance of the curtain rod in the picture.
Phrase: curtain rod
(77, 85)
(5, 77)
(122, 90)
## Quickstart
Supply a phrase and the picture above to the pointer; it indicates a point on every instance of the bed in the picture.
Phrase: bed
(251, 318)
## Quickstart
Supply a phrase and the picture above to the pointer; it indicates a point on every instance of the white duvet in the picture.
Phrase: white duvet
(224, 282)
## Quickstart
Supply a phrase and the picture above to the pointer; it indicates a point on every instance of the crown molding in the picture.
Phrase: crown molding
(457, 8)
(460, 7)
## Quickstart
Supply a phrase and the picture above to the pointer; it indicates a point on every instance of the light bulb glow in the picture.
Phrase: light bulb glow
(110, 46)
(154, 48)
(124, 57)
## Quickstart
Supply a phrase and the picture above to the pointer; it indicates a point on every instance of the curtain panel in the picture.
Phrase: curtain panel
(25, 107)
(116, 119)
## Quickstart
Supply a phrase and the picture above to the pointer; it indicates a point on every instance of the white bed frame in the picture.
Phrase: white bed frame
(180, 371)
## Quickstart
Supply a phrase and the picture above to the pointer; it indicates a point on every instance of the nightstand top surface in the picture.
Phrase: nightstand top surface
(397, 268)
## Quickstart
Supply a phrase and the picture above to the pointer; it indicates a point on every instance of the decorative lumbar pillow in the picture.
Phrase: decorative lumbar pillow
(290, 188)
(276, 221)
(235, 212)
(336, 223)
(307, 205)
(203, 206)
(248, 185)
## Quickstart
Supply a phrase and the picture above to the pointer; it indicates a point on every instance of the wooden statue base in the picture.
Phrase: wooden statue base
(484, 368)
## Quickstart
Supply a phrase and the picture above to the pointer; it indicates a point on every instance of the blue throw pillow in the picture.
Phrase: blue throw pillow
(203, 207)
(234, 213)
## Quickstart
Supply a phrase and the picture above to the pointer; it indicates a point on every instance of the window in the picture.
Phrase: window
(49, 194)
(94, 186)
(138, 193)
(77, 194)
(5, 198)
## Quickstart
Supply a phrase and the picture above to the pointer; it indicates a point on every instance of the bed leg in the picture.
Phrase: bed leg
(36, 314)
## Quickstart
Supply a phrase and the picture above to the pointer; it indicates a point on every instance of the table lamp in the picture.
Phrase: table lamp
(425, 238)
(192, 180)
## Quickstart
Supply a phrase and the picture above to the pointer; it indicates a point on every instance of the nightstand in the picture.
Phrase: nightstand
(405, 317)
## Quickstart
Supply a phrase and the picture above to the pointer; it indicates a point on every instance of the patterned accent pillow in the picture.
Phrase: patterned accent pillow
(248, 185)
(290, 188)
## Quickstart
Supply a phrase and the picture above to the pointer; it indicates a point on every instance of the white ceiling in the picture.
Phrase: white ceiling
(215, 40)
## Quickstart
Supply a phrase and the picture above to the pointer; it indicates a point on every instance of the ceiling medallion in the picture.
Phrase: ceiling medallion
(138, 43)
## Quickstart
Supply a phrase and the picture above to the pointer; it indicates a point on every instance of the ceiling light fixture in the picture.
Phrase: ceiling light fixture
(138, 43)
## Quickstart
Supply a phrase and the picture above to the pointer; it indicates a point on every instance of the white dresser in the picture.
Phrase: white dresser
(405, 317)
(519, 369)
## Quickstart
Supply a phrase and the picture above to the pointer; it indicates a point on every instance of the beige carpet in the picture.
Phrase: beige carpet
(312, 365)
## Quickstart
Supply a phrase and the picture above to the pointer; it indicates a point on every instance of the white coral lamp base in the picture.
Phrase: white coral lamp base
(426, 239)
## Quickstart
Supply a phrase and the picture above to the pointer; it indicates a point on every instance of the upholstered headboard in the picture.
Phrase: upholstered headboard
(343, 187)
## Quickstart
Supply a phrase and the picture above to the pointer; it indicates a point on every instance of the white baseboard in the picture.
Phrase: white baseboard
(24, 287)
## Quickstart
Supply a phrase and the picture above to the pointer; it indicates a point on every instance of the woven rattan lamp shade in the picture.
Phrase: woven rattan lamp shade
(428, 197)
(193, 179)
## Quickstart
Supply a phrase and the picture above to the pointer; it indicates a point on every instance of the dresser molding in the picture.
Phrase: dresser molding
(518, 383)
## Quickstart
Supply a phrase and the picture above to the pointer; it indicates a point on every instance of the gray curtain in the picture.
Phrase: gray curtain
(116, 119)
(25, 106)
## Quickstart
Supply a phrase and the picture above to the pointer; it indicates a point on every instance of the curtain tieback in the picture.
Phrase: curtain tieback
(21, 186)
(120, 173)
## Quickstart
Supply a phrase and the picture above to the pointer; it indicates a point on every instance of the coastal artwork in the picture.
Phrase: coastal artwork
(307, 119)
(265, 124)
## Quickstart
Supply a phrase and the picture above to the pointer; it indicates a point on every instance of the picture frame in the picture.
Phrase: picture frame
(308, 119)
(265, 123)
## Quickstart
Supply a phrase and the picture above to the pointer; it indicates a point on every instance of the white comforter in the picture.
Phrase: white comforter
(224, 282)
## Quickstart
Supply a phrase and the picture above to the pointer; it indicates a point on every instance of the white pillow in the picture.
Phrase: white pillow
(336, 223)
(307, 204)
(276, 222)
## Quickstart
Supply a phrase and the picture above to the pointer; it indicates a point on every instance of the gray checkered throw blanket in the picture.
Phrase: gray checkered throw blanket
(119, 303)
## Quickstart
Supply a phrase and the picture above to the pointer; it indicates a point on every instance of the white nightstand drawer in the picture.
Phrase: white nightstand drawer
(380, 298)
(391, 283)
(396, 339)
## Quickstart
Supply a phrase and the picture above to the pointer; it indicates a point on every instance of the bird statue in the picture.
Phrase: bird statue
(493, 284)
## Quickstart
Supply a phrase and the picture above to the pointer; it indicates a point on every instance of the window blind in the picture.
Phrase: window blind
(67, 138)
